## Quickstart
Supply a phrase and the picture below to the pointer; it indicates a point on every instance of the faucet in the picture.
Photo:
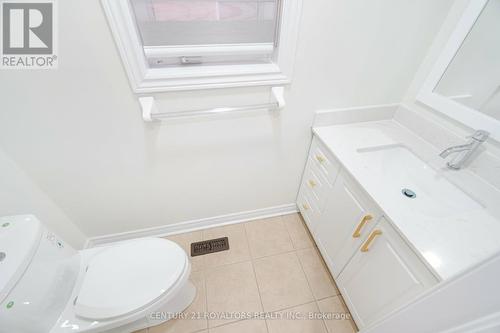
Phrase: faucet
(465, 151)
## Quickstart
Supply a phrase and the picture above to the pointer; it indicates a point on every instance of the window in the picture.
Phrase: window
(176, 32)
(193, 44)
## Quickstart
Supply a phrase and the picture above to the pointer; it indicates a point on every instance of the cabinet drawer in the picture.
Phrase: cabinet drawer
(383, 275)
(323, 161)
(316, 184)
(307, 206)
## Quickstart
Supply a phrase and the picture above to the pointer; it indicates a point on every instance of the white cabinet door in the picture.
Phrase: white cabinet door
(383, 275)
(346, 211)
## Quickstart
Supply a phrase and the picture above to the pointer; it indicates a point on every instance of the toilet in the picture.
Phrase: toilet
(47, 286)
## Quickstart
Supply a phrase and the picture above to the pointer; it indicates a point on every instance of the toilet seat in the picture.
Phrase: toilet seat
(126, 277)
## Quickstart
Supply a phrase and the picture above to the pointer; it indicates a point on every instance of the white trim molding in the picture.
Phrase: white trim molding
(145, 79)
(188, 226)
(355, 114)
(450, 106)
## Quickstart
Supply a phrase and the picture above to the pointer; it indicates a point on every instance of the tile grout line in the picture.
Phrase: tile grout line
(255, 276)
(323, 320)
(305, 275)
(240, 320)
(308, 282)
(252, 260)
(312, 293)
(294, 250)
(337, 293)
(274, 254)
(228, 264)
(285, 224)
(225, 324)
(288, 232)
(202, 232)
(325, 266)
(282, 253)
(294, 306)
(316, 300)
(198, 331)
(204, 276)
(317, 251)
(303, 270)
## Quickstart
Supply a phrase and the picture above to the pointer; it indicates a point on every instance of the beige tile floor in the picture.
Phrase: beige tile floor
(272, 267)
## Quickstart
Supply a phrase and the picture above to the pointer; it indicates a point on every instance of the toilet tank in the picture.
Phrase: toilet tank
(38, 271)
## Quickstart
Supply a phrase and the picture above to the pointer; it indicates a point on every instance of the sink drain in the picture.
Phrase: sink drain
(409, 193)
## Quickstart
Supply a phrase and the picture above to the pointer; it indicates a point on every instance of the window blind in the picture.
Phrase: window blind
(241, 30)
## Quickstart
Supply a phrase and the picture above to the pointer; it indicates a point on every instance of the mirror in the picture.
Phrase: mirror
(473, 76)
(465, 83)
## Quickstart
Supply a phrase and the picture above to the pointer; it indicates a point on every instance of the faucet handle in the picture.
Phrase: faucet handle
(480, 135)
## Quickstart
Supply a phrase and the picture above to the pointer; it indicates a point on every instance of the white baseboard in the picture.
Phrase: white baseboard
(187, 226)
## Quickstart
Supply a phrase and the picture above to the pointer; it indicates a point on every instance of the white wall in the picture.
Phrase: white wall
(19, 195)
(77, 130)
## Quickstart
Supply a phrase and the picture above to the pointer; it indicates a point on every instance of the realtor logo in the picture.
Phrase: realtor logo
(28, 30)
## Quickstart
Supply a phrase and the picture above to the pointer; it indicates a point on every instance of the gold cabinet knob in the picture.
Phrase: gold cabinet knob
(320, 158)
(305, 206)
(312, 183)
(373, 235)
(364, 220)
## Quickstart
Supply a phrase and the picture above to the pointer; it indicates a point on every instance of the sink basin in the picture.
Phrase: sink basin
(396, 168)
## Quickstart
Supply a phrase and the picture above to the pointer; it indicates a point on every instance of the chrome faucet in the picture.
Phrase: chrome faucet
(465, 151)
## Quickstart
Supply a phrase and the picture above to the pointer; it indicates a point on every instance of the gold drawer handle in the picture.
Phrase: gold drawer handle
(361, 225)
(320, 158)
(370, 239)
(312, 183)
(305, 206)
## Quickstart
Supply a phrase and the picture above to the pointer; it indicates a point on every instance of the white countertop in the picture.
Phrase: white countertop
(449, 243)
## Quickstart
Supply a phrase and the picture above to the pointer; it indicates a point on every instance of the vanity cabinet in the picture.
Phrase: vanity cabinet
(383, 275)
(375, 270)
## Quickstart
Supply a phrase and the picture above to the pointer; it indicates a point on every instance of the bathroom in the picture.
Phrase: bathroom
(196, 166)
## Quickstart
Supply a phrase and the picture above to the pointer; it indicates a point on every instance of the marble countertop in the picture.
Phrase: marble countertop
(448, 243)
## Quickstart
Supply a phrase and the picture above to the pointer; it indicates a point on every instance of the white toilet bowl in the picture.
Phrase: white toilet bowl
(49, 287)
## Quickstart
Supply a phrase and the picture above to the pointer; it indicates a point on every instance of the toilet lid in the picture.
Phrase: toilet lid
(127, 276)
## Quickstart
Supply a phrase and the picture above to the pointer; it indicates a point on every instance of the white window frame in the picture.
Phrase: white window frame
(144, 79)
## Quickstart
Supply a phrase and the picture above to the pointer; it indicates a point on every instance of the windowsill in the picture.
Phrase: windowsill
(207, 77)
